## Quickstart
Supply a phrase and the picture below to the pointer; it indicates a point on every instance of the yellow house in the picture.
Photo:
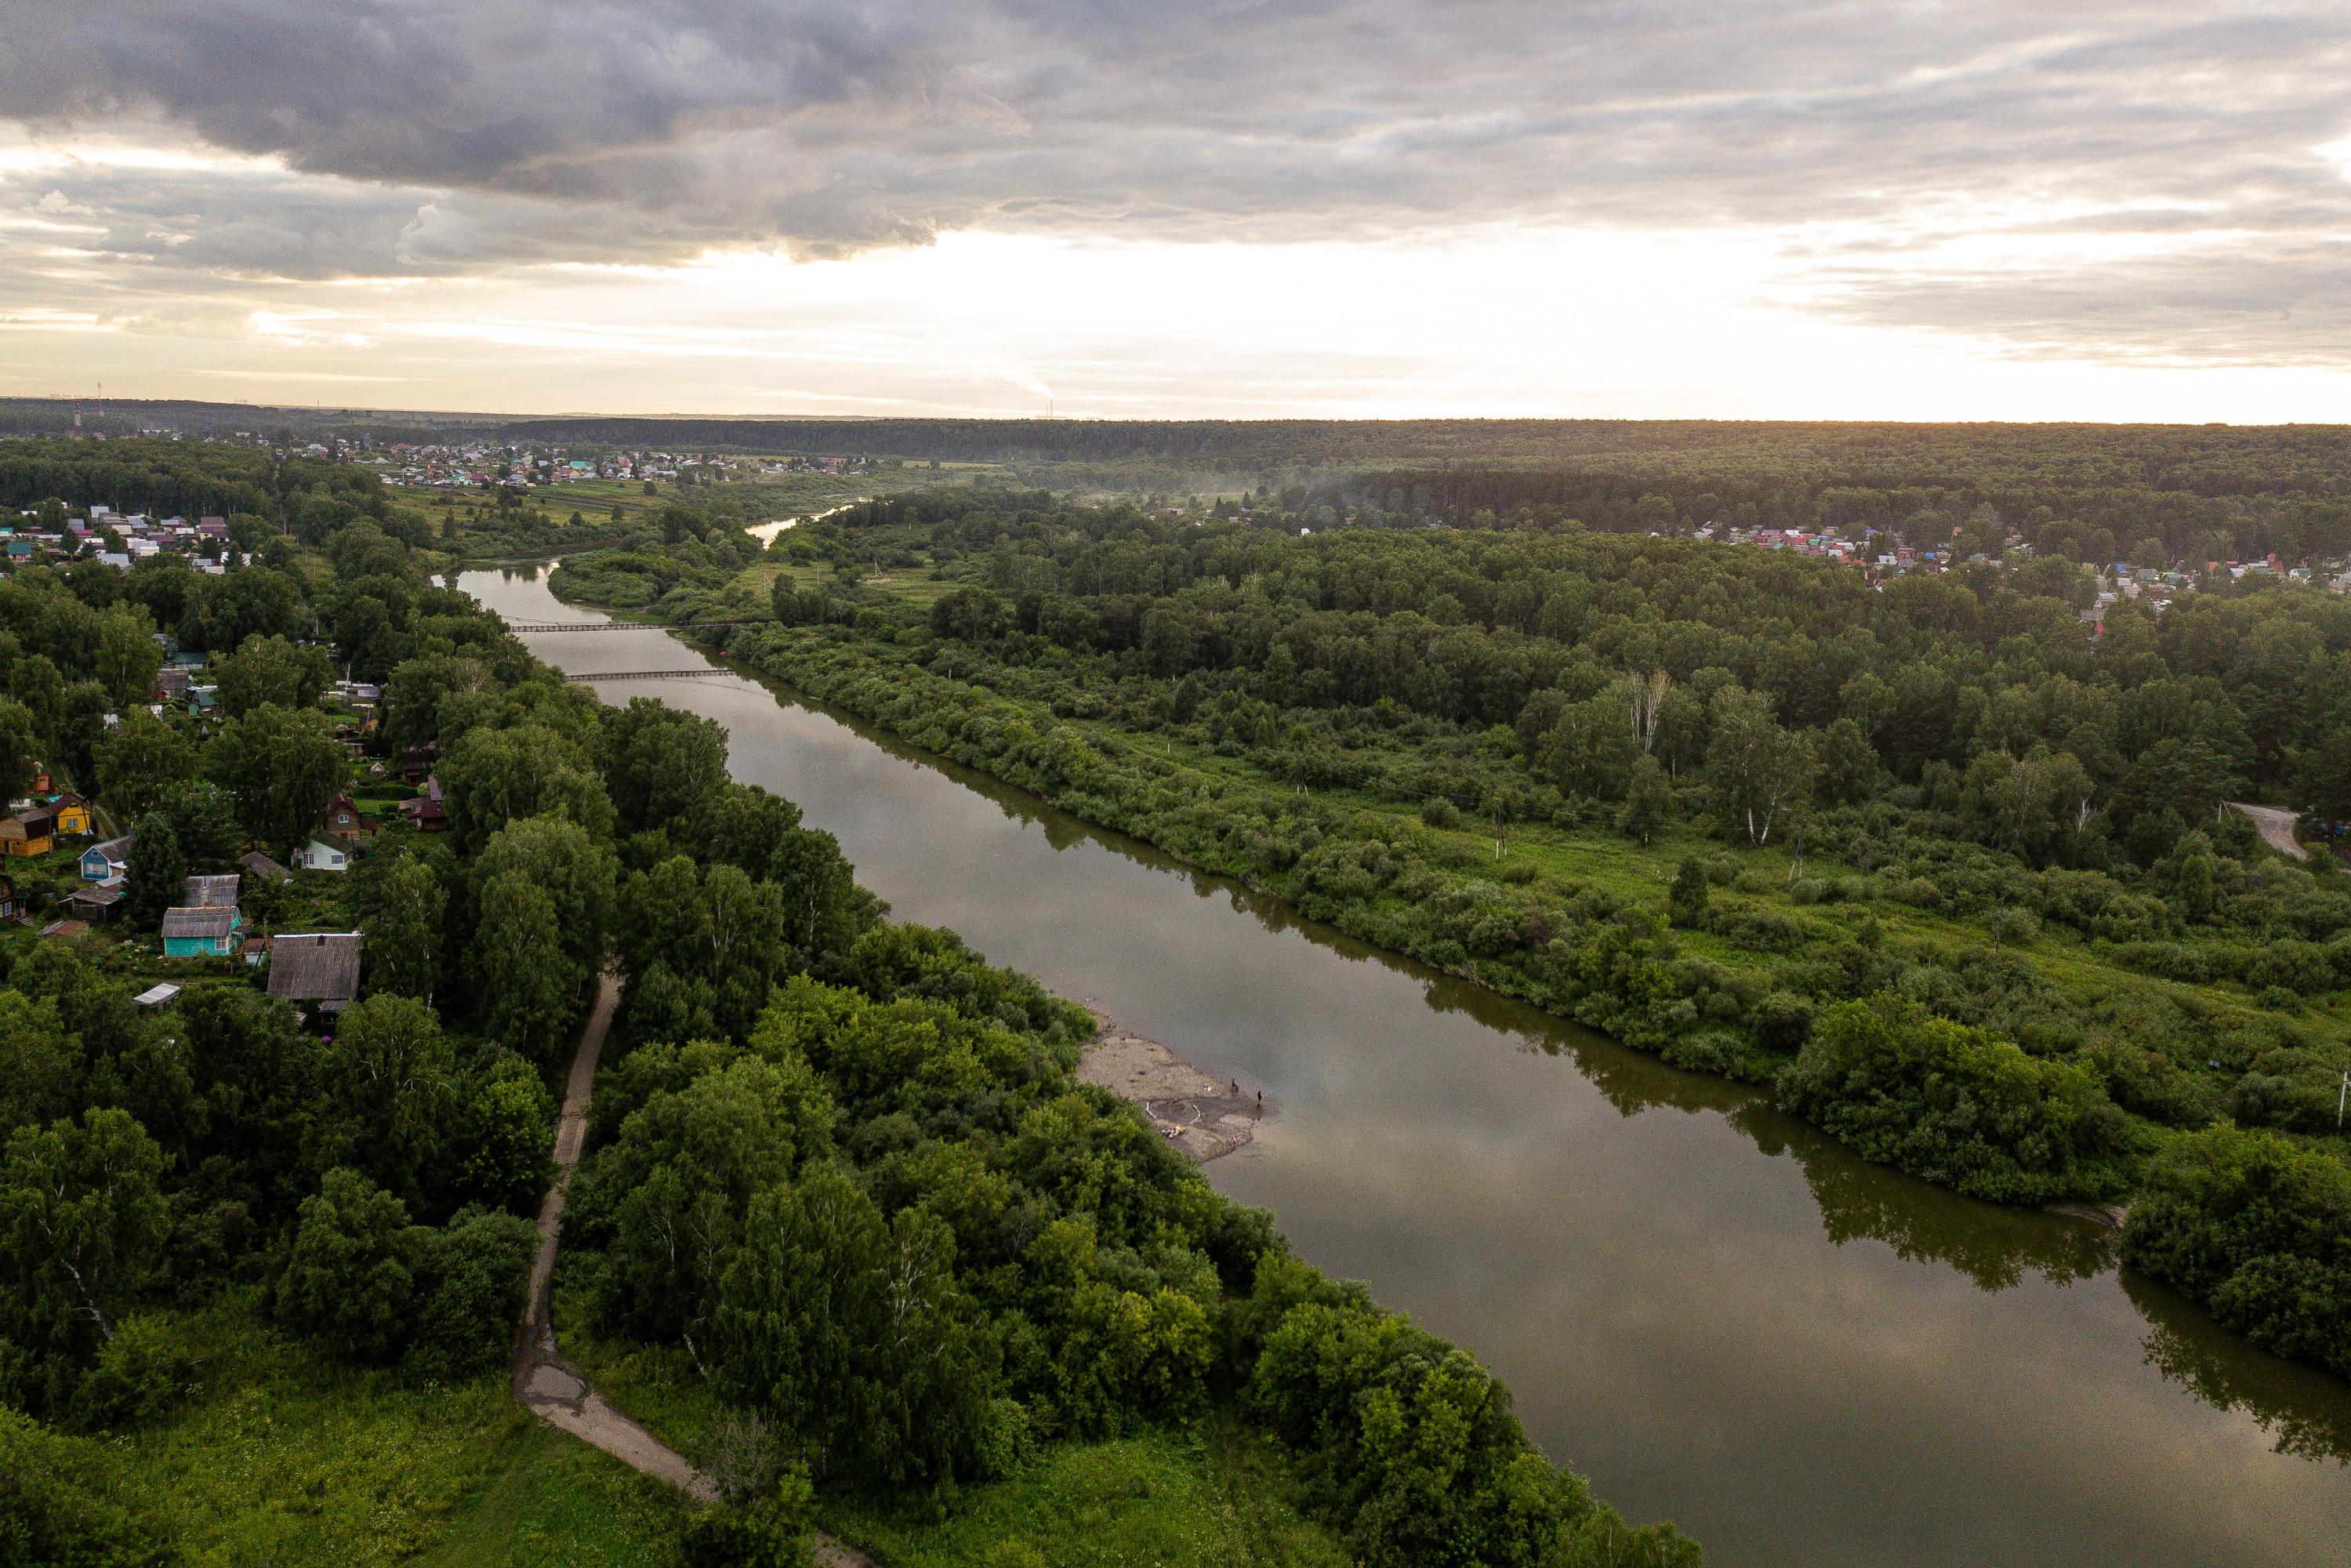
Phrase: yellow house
(32, 832)
(72, 814)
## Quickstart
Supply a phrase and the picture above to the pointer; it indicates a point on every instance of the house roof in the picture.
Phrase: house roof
(155, 996)
(40, 820)
(315, 966)
(64, 928)
(210, 925)
(113, 849)
(258, 865)
(210, 891)
(97, 895)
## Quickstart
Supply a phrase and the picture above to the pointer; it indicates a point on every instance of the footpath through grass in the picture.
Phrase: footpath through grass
(279, 1457)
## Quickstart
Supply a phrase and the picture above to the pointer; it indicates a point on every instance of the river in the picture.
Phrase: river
(1719, 1316)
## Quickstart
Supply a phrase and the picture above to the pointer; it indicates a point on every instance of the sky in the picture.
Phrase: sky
(1124, 208)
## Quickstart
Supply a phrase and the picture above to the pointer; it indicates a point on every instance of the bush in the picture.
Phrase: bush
(2258, 1228)
(1439, 812)
(351, 1283)
(51, 1513)
(1955, 1104)
(141, 1373)
(477, 1272)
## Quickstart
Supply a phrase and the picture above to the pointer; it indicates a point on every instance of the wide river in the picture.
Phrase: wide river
(1720, 1317)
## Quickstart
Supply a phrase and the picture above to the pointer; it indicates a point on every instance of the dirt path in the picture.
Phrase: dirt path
(2276, 825)
(553, 1389)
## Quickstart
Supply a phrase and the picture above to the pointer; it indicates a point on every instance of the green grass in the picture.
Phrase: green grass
(1209, 1496)
(281, 1457)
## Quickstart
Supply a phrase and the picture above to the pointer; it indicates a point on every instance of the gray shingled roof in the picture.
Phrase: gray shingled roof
(114, 849)
(315, 967)
(210, 891)
(258, 865)
(210, 924)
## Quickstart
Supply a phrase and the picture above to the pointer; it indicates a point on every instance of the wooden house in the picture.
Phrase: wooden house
(200, 932)
(32, 832)
(74, 815)
(103, 862)
(319, 967)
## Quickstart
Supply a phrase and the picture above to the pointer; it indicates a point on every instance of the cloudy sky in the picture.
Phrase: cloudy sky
(1126, 207)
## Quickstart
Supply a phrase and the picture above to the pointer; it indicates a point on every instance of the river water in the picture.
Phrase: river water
(1720, 1317)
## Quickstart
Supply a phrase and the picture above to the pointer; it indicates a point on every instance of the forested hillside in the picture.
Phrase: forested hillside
(1945, 863)
(849, 1231)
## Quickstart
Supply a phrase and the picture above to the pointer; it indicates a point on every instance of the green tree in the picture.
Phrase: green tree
(1760, 772)
(272, 669)
(1688, 900)
(526, 985)
(141, 762)
(351, 1282)
(60, 1506)
(662, 763)
(476, 1270)
(1649, 802)
(281, 767)
(82, 1223)
(154, 870)
(509, 1138)
(404, 921)
(20, 749)
(855, 1329)
(390, 1101)
(124, 657)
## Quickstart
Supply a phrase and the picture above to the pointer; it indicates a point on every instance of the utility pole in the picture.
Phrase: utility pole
(2340, 1096)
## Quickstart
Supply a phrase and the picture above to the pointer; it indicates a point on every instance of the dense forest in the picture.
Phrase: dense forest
(1947, 865)
(842, 1181)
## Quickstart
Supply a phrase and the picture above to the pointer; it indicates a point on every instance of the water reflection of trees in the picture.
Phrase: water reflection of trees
(2305, 1412)
(1997, 1247)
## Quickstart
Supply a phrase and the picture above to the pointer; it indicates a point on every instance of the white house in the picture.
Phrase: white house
(320, 855)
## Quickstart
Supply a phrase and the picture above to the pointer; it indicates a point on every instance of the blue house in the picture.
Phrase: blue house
(201, 933)
(101, 862)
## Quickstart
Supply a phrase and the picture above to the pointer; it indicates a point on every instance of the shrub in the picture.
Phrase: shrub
(1955, 1104)
(52, 1509)
(2259, 1229)
(476, 1270)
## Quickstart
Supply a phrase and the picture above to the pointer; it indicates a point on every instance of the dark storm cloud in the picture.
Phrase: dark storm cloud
(459, 135)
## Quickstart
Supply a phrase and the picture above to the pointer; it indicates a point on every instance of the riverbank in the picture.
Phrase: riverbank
(1204, 1118)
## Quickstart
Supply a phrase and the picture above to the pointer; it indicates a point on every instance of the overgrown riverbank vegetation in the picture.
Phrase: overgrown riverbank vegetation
(1946, 864)
(849, 1228)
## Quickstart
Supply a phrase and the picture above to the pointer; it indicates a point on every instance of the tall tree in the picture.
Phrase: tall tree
(281, 767)
(154, 871)
(145, 759)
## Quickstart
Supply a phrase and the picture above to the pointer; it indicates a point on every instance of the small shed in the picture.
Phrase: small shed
(157, 994)
(261, 866)
(98, 904)
(321, 968)
(200, 932)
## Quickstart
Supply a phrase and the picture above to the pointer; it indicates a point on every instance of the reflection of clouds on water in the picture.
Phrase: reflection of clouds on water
(1718, 1314)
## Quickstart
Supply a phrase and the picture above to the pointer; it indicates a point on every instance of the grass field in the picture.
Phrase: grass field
(1209, 1496)
(278, 1457)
